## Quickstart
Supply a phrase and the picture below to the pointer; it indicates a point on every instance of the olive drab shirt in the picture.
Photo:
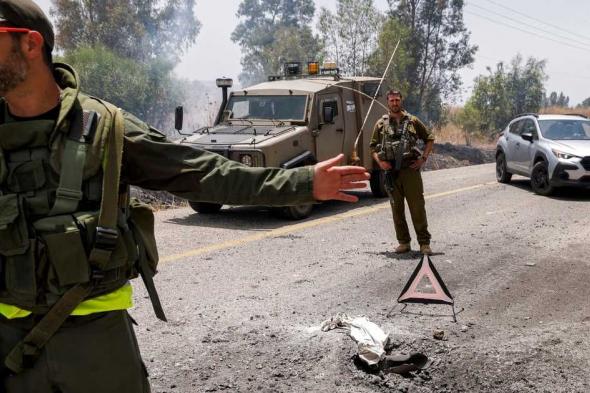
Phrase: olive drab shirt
(415, 127)
(152, 162)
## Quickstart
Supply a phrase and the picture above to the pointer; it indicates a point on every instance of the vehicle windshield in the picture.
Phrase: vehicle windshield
(565, 129)
(267, 107)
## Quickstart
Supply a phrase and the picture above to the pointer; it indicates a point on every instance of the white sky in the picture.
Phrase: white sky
(568, 59)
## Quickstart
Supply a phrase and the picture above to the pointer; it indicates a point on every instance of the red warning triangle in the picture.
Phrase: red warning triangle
(435, 290)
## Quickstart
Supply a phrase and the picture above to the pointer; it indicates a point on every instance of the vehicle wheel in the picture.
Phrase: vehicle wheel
(502, 174)
(205, 207)
(298, 212)
(540, 179)
(377, 183)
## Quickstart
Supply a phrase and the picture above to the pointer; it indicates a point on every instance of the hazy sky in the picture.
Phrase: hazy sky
(558, 32)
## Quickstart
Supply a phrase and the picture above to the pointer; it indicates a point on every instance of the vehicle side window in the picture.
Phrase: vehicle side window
(515, 127)
(329, 103)
(528, 126)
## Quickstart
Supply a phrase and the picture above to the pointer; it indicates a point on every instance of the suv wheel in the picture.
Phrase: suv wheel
(540, 179)
(205, 207)
(502, 174)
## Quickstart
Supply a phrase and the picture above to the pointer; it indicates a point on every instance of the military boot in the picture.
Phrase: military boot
(425, 249)
(403, 248)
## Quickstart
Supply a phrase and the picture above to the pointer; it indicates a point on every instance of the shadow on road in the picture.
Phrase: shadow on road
(265, 218)
(562, 194)
(412, 255)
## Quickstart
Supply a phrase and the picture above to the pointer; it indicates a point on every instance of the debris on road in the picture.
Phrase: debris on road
(372, 342)
(371, 339)
(438, 334)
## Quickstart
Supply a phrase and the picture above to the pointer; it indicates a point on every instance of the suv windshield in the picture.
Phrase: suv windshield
(565, 129)
(267, 107)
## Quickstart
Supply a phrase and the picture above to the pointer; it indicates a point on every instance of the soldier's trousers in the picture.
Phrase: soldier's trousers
(89, 354)
(408, 185)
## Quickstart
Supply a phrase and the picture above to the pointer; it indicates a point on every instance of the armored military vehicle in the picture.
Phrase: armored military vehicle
(294, 119)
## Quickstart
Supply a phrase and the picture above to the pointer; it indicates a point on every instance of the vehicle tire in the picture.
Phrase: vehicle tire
(540, 179)
(298, 212)
(502, 174)
(377, 183)
(205, 207)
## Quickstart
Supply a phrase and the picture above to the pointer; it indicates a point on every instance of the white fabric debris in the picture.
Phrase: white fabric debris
(370, 338)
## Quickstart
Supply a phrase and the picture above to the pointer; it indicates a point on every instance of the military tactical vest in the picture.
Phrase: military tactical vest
(56, 194)
(398, 142)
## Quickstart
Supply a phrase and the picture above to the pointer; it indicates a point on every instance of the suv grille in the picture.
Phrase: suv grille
(586, 163)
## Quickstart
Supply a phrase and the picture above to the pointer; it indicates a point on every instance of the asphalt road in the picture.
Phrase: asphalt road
(245, 293)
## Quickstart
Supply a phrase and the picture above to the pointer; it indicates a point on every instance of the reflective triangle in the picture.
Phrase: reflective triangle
(436, 292)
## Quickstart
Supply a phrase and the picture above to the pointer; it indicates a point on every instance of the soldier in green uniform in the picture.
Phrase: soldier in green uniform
(71, 238)
(393, 145)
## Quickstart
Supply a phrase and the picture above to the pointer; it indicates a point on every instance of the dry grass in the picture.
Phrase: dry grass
(454, 134)
(561, 110)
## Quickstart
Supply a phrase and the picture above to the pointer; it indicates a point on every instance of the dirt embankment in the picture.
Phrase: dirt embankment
(451, 156)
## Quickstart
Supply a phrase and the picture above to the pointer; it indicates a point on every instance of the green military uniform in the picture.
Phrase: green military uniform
(407, 182)
(95, 349)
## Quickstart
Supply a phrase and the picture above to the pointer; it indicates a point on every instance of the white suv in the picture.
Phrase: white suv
(552, 150)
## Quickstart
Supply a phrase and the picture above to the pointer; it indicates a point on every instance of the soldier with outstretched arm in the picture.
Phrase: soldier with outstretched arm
(393, 146)
(70, 236)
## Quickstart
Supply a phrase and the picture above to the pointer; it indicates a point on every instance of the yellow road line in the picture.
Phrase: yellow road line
(363, 211)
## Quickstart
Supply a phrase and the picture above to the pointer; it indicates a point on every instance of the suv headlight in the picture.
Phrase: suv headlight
(563, 155)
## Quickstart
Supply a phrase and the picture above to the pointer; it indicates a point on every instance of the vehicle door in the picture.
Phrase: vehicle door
(525, 149)
(330, 133)
(512, 138)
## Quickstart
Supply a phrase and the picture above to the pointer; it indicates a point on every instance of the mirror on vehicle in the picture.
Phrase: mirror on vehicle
(527, 136)
(328, 114)
(178, 118)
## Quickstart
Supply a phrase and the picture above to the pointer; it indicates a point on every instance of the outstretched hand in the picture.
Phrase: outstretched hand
(329, 179)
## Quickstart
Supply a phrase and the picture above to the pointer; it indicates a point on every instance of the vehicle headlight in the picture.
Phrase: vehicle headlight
(246, 159)
(563, 155)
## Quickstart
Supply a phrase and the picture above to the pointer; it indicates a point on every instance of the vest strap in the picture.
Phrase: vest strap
(106, 231)
(24, 354)
(69, 192)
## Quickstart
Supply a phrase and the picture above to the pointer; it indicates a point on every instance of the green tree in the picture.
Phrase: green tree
(139, 29)
(125, 51)
(392, 32)
(437, 45)
(272, 32)
(147, 90)
(350, 35)
(505, 93)
(470, 120)
(555, 99)
(585, 103)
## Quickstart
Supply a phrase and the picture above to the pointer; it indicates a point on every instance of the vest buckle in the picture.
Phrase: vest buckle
(106, 238)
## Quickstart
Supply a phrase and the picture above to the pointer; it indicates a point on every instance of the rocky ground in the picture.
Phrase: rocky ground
(245, 314)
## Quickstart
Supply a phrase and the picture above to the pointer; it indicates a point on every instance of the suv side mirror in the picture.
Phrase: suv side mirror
(527, 136)
(328, 114)
(178, 118)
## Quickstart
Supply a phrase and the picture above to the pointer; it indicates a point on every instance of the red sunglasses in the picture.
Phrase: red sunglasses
(14, 30)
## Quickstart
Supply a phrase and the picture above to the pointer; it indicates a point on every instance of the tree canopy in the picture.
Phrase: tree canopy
(436, 46)
(350, 35)
(139, 29)
(125, 51)
(508, 91)
(555, 99)
(272, 32)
